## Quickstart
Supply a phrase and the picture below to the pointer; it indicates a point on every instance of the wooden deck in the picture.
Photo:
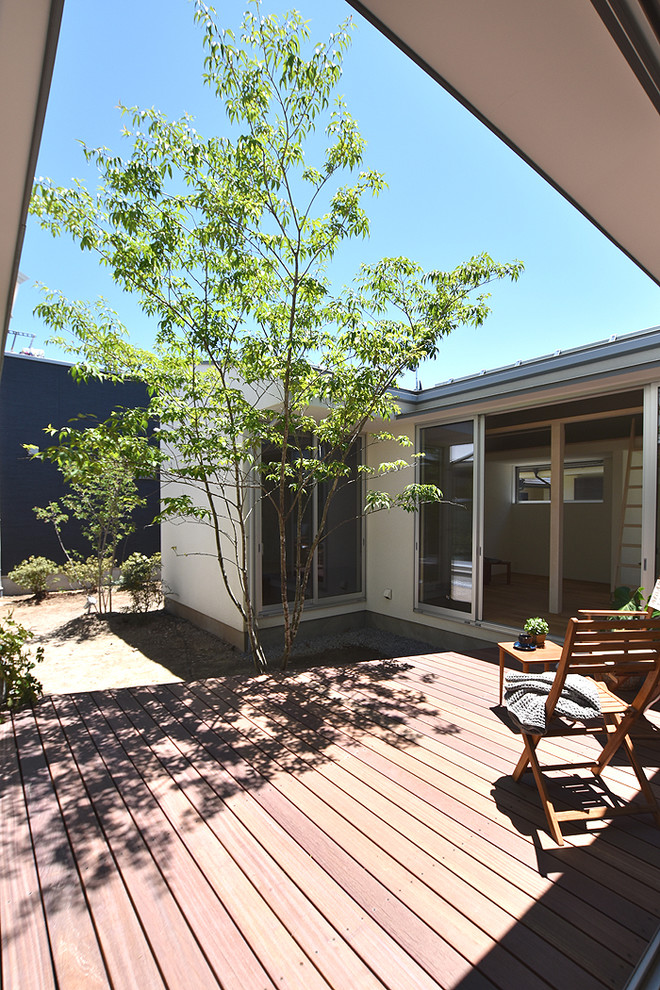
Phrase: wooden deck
(349, 828)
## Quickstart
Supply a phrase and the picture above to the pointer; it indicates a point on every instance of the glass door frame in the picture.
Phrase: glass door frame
(476, 605)
(650, 505)
(650, 441)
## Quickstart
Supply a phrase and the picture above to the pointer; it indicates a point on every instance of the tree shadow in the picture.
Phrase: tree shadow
(114, 779)
(185, 650)
(191, 653)
(144, 792)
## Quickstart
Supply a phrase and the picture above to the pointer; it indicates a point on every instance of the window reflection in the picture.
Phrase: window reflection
(445, 566)
(336, 570)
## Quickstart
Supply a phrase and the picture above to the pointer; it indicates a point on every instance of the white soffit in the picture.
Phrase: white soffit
(573, 86)
(28, 39)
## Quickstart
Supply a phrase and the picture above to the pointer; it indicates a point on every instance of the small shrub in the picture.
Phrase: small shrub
(140, 576)
(85, 573)
(18, 685)
(33, 574)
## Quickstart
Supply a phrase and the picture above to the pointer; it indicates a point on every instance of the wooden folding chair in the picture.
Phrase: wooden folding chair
(600, 647)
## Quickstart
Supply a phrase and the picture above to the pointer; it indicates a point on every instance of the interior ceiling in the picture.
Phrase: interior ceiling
(586, 431)
(608, 402)
(573, 86)
(529, 428)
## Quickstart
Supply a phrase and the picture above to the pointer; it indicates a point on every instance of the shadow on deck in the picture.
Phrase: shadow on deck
(352, 827)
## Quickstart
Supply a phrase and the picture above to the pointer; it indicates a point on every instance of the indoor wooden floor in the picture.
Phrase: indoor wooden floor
(350, 828)
(527, 595)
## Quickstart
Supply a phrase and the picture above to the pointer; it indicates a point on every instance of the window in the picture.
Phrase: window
(533, 484)
(337, 567)
(583, 482)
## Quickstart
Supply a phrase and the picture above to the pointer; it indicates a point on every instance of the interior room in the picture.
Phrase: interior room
(601, 524)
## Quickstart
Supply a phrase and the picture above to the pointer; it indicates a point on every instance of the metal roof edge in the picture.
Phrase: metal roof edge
(558, 363)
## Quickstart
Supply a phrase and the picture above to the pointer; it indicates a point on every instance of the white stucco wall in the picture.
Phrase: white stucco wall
(390, 536)
(191, 573)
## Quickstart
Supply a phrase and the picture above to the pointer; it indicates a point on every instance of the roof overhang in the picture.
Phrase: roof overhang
(28, 40)
(573, 86)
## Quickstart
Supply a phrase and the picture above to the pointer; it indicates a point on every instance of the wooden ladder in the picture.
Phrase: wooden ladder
(629, 552)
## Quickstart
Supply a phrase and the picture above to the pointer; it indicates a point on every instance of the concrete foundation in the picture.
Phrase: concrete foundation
(440, 639)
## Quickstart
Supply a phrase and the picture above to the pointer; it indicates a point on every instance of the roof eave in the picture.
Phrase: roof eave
(28, 43)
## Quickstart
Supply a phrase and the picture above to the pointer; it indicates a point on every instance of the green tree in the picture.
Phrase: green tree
(100, 464)
(227, 243)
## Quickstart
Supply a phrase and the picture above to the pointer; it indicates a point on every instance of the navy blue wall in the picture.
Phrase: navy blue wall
(33, 394)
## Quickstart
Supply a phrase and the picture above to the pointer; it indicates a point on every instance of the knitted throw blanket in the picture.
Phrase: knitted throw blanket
(525, 696)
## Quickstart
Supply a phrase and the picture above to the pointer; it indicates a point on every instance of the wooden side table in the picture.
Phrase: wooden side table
(546, 655)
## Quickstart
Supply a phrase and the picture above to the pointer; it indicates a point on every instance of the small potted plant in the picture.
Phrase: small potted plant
(538, 628)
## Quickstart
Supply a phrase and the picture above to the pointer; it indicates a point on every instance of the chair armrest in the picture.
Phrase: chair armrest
(609, 611)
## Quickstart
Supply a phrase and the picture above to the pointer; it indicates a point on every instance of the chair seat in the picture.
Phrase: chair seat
(609, 701)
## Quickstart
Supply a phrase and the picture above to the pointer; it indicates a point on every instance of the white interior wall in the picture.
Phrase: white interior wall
(520, 532)
(498, 491)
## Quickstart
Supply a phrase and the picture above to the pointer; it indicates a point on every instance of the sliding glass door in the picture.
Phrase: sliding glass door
(447, 542)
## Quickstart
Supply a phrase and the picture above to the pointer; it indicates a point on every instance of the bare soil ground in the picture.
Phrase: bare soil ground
(89, 652)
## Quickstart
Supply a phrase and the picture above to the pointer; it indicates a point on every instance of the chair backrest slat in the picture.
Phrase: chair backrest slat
(616, 631)
(611, 645)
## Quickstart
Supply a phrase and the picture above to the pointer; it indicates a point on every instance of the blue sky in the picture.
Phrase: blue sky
(454, 189)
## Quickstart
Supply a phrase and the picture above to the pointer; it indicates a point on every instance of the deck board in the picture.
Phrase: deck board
(436, 900)
(26, 959)
(155, 807)
(107, 897)
(249, 883)
(139, 856)
(322, 890)
(352, 827)
(471, 858)
(416, 847)
(291, 803)
(77, 958)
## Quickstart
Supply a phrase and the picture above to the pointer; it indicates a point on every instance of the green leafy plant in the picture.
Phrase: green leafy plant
(33, 575)
(140, 576)
(626, 599)
(536, 626)
(263, 376)
(18, 685)
(86, 573)
(100, 463)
